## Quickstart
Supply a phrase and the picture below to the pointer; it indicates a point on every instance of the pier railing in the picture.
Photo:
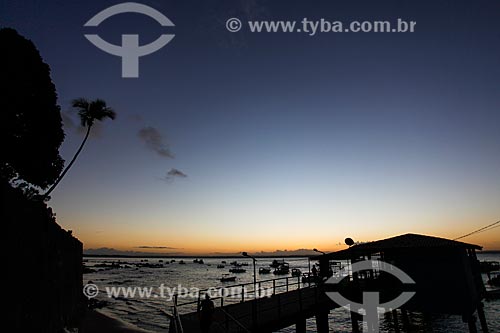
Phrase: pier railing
(236, 293)
(176, 320)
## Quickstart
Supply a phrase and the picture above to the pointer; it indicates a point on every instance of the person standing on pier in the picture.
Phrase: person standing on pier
(206, 314)
(314, 271)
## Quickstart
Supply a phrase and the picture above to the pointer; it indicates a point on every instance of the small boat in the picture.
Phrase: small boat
(227, 278)
(244, 264)
(310, 278)
(493, 294)
(182, 262)
(223, 262)
(277, 263)
(220, 266)
(237, 270)
(296, 272)
(495, 280)
(282, 269)
(264, 270)
(487, 266)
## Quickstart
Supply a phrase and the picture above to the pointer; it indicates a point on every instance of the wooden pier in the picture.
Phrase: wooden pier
(446, 276)
(287, 302)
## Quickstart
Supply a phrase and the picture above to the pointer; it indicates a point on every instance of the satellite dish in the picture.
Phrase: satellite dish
(349, 241)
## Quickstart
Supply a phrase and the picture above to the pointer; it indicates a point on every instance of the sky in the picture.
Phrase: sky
(277, 140)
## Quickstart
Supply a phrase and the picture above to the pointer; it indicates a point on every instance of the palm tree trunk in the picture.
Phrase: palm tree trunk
(69, 165)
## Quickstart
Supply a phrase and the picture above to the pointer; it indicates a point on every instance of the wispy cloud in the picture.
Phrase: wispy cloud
(155, 247)
(104, 251)
(176, 173)
(173, 173)
(154, 141)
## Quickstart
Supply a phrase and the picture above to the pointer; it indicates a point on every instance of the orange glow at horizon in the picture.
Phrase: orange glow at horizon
(167, 243)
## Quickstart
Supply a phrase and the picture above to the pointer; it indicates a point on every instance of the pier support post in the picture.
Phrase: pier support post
(471, 322)
(300, 325)
(482, 318)
(322, 322)
(406, 320)
(395, 321)
(354, 322)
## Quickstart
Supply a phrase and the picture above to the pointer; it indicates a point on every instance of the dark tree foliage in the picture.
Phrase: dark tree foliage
(31, 127)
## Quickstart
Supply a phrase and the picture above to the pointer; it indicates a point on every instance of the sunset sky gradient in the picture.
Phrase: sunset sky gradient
(288, 141)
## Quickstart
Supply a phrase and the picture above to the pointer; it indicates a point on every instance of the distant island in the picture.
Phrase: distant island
(110, 252)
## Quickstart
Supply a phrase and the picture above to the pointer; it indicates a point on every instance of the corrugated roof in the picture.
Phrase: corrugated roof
(401, 242)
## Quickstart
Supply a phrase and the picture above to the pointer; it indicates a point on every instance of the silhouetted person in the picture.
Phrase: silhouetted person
(314, 271)
(206, 314)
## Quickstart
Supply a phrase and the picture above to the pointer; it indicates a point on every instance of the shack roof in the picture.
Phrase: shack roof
(406, 241)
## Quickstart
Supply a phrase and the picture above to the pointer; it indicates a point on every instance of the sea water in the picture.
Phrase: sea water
(148, 308)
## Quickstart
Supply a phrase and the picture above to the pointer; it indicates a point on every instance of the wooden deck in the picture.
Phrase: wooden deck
(265, 314)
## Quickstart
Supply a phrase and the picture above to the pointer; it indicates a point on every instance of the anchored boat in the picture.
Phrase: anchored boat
(296, 272)
(282, 269)
(264, 270)
(227, 278)
(237, 270)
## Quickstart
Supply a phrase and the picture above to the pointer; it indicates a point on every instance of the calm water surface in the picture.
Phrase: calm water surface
(149, 312)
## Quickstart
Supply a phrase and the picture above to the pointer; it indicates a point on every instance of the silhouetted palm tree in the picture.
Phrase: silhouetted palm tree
(89, 112)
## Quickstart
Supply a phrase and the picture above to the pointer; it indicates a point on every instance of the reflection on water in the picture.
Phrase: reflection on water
(148, 313)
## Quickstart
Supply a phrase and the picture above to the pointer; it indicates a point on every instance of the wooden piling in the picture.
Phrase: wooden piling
(322, 322)
(395, 320)
(471, 322)
(406, 320)
(354, 322)
(300, 325)
(482, 318)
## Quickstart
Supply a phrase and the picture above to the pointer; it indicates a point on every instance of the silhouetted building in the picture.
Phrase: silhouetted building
(446, 272)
